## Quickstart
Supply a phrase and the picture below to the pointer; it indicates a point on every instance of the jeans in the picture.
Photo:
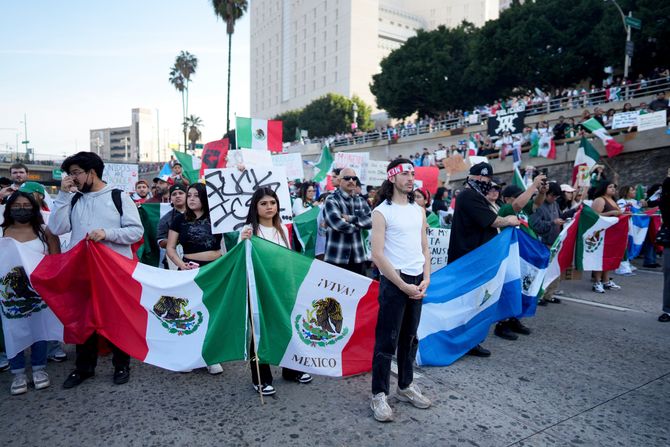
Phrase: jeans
(397, 322)
(87, 356)
(649, 252)
(266, 373)
(355, 267)
(38, 358)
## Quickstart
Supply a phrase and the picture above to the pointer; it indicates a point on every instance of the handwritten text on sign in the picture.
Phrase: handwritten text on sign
(229, 194)
(120, 176)
(438, 243)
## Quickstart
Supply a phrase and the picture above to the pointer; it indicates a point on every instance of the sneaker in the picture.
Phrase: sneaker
(75, 378)
(304, 378)
(505, 332)
(57, 355)
(4, 365)
(611, 285)
(215, 369)
(265, 389)
(479, 351)
(664, 318)
(517, 326)
(19, 384)
(380, 408)
(598, 287)
(121, 375)
(412, 394)
(41, 379)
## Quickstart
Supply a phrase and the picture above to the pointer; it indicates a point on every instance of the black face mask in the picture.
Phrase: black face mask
(21, 215)
(484, 187)
(86, 187)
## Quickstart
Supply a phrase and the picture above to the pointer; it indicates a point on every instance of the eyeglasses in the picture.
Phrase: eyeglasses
(76, 173)
(350, 178)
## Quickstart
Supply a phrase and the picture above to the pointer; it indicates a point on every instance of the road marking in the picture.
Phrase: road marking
(594, 304)
(394, 370)
(653, 272)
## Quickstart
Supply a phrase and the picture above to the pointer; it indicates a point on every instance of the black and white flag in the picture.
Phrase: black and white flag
(511, 122)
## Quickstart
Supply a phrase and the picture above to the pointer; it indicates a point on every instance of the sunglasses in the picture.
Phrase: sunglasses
(350, 178)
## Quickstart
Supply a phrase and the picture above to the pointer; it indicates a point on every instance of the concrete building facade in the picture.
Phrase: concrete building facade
(113, 144)
(138, 142)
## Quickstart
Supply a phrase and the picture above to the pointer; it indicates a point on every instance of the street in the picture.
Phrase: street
(587, 375)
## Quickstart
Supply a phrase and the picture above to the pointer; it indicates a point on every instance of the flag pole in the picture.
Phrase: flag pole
(253, 343)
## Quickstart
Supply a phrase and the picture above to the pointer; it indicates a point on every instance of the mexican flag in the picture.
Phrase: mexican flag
(472, 147)
(563, 250)
(150, 214)
(587, 155)
(543, 146)
(255, 133)
(177, 320)
(25, 317)
(309, 315)
(190, 164)
(612, 146)
(306, 230)
(322, 168)
(601, 241)
(518, 179)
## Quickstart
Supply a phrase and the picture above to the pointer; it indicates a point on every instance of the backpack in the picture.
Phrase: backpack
(116, 198)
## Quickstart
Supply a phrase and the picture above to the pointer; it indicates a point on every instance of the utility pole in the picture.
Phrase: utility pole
(25, 134)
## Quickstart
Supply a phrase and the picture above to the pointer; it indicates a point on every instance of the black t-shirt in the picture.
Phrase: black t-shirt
(471, 224)
(195, 236)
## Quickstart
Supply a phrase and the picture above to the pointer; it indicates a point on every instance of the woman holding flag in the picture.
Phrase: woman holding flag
(605, 205)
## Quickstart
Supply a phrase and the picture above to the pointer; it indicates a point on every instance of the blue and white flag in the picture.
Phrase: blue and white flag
(534, 258)
(466, 297)
(167, 170)
(638, 225)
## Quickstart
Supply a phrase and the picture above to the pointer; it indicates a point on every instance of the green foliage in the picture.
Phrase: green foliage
(289, 121)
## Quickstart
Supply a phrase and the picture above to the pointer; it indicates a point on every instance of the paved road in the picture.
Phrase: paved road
(587, 376)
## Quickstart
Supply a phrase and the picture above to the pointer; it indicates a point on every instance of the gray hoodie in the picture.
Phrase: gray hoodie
(94, 211)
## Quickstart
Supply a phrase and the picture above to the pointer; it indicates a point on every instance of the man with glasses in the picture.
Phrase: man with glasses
(346, 214)
(91, 209)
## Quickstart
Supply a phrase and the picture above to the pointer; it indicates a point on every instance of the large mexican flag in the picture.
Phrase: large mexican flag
(612, 146)
(150, 214)
(601, 241)
(309, 315)
(253, 133)
(563, 250)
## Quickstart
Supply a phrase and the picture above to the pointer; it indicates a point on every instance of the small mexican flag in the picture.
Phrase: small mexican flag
(601, 241)
(306, 230)
(543, 146)
(563, 251)
(612, 146)
(587, 155)
(309, 315)
(150, 214)
(518, 179)
(322, 168)
(190, 165)
(472, 147)
(255, 133)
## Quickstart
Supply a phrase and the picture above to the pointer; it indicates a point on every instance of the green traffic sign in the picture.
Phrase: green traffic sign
(199, 146)
(633, 22)
(25, 142)
(57, 174)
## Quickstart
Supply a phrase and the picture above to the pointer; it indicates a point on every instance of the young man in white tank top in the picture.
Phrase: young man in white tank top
(400, 251)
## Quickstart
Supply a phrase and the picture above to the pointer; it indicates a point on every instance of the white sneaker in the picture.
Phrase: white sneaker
(598, 287)
(265, 390)
(412, 394)
(19, 384)
(41, 379)
(611, 285)
(4, 363)
(380, 408)
(215, 369)
(304, 378)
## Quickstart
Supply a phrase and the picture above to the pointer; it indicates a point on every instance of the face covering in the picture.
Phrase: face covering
(86, 187)
(484, 187)
(21, 215)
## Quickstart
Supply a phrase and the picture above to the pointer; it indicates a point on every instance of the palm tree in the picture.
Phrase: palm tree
(230, 11)
(194, 122)
(184, 67)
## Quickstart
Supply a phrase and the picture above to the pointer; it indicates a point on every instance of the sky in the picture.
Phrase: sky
(73, 65)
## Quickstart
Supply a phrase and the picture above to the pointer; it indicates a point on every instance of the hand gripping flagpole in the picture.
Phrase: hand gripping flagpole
(251, 283)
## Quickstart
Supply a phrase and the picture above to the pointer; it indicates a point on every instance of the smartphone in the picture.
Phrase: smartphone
(193, 264)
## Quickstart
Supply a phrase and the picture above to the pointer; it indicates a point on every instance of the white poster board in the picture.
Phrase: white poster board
(376, 172)
(624, 120)
(476, 159)
(440, 154)
(438, 242)
(651, 120)
(292, 163)
(358, 161)
(121, 176)
(256, 157)
(229, 193)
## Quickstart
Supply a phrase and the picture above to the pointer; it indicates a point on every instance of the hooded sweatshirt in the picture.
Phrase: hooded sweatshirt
(94, 211)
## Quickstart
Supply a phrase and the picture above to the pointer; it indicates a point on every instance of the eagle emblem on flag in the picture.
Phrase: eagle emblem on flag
(322, 324)
(594, 241)
(17, 297)
(175, 317)
(259, 134)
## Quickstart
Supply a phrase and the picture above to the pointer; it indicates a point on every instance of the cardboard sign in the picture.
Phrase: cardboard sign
(624, 120)
(438, 242)
(428, 176)
(376, 172)
(256, 157)
(292, 163)
(358, 161)
(229, 194)
(651, 120)
(440, 154)
(455, 164)
(214, 155)
(121, 176)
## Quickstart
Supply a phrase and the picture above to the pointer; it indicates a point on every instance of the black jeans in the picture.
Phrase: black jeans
(266, 373)
(355, 267)
(397, 322)
(87, 355)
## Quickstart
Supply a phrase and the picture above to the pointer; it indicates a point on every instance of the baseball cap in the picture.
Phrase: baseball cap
(482, 168)
(567, 188)
(177, 187)
(4, 181)
(32, 187)
(512, 191)
(162, 178)
(554, 189)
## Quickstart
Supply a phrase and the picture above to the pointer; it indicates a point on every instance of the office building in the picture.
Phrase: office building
(138, 142)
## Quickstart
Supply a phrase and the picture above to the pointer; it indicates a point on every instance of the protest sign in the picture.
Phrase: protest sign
(229, 192)
(120, 176)
(428, 176)
(583, 176)
(214, 155)
(438, 242)
(511, 122)
(455, 164)
(624, 120)
(476, 159)
(440, 154)
(358, 161)
(376, 172)
(651, 120)
(256, 157)
(292, 163)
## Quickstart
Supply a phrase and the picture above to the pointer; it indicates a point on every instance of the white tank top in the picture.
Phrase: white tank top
(35, 244)
(402, 242)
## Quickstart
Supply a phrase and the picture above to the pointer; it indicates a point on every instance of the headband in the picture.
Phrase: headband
(400, 168)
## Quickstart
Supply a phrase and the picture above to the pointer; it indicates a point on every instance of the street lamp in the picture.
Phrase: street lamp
(626, 27)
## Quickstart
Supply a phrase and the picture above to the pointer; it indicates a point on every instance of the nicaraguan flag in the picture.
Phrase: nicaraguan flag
(166, 170)
(638, 225)
(534, 259)
(466, 297)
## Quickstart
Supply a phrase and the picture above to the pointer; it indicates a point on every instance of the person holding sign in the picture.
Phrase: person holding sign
(263, 221)
(400, 251)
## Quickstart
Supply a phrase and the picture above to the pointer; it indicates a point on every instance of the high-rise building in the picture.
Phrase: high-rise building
(144, 134)
(130, 144)
(304, 49)
(113, 144)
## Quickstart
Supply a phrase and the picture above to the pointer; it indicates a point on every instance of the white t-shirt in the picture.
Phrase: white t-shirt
(402, 241)
(271, 234)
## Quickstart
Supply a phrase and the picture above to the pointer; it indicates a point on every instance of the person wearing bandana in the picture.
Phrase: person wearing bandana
(474, 222)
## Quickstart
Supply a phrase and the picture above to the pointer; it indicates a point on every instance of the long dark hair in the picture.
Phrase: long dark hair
(386, 190)
(601, 189)
(202, 195)
(303, 191)
(36, 220)
(252, 216)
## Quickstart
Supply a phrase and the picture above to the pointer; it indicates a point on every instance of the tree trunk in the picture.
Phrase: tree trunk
(183, 112)
(230, 39)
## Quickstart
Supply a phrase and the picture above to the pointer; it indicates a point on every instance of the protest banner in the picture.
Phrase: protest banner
(229, 191)
(121, 176)
(476, 159)
(438, 242)
(427, 175)
(511, 122)
(624, 120)
(376, 171)
(358, 161)
(651, 120)
(440, 154)
(292, 163)
(214, 155)
(256, 157)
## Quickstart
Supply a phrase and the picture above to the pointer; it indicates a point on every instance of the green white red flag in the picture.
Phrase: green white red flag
(563, 250)
(190, 165)
(543, 146)
(472, 147)
(612, 146)
(253, 133)
(601, 241)
(150, 213)
(587, 155)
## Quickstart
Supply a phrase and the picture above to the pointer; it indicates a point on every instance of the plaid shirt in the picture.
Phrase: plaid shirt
(344, 242)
